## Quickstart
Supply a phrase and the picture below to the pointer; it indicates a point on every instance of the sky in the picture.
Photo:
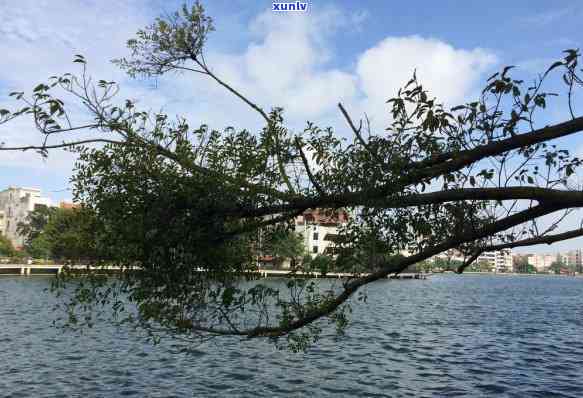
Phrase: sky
(357, 53)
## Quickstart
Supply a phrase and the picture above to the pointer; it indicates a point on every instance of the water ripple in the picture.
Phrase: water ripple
(444, 337)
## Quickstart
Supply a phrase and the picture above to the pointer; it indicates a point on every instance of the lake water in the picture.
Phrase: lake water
(517, 336)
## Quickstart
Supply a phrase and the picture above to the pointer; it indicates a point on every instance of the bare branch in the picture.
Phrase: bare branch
(308, 169)
(356, 132)
(62, 145)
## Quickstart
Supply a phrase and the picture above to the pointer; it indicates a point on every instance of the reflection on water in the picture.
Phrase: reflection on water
(445, 336)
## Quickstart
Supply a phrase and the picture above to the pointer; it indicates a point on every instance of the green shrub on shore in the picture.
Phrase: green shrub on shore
(6, 247)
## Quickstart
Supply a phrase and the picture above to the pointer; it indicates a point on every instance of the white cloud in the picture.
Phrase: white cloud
(450, 74)
(288, 65)
(39, 39)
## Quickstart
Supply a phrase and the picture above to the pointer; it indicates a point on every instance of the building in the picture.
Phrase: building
(448, 255)
(15, 204)
(68, 205)
(499, 260)
(541, 262)
(573, 260)
(319, 229)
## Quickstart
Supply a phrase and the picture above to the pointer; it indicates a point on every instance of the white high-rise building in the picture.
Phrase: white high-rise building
(500, 260)
(15, 204)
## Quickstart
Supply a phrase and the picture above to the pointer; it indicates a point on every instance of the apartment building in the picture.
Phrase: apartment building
(15, 204)
(499, 260)
(319, 229)
(541, 262)
(573, 260)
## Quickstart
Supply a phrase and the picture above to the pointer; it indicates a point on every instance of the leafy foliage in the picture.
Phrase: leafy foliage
(283, 244)
(63, 234)
(72, 234)
(6, 248)
(32, 227)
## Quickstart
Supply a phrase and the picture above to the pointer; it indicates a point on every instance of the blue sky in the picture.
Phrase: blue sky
(355, 52)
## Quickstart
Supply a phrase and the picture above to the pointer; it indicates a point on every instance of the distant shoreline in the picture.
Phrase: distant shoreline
(505, 274)
(53, 269)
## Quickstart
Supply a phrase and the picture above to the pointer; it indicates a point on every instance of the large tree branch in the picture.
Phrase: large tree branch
(471, 236)
(395, 265)
(376, 198)
(540, 240)
(454, 161)
(432, 168)
(271, 125)
(232, 90)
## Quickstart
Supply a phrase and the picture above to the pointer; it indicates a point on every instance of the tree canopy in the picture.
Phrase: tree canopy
(283, 245)
(32, 227)
(62, 234)
(6, 247)
(183, 205)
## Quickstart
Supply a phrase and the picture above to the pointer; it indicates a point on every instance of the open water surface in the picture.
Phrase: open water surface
(516, 336)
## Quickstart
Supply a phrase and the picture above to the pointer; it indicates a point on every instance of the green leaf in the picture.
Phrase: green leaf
(569, 170)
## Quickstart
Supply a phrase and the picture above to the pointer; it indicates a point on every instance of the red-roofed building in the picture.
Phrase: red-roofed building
(319, 229)
(68, 205)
